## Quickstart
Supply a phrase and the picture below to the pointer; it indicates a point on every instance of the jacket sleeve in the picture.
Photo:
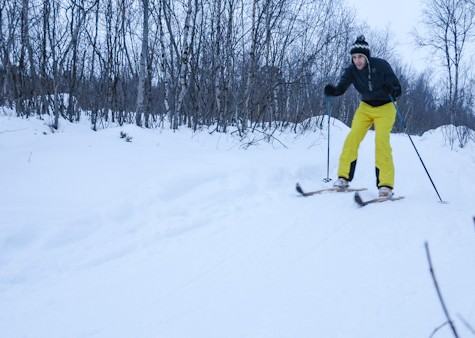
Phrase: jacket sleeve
(345, 81)
(391, 79)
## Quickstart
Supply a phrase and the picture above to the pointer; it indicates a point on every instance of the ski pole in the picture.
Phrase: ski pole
(403, 123)
(328, 179)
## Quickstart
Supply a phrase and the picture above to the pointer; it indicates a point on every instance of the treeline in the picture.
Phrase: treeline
(204, 63)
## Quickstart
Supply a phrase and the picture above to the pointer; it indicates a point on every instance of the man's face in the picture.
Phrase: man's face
(359, 60)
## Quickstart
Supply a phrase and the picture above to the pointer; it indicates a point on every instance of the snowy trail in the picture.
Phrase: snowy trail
(181, 235)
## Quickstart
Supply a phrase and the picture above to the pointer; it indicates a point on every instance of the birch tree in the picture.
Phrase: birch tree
(7, 34)
(251, 68)
(27, 68)
(143, 67)
(183, 64)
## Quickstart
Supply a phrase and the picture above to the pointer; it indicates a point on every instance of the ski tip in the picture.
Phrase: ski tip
(358, 199)
(299, 188)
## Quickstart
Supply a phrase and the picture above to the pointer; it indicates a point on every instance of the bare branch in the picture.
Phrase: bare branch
(467, 325)
(439, 293)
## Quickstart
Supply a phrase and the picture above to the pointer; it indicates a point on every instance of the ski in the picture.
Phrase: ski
(362, 203)
(333, 189)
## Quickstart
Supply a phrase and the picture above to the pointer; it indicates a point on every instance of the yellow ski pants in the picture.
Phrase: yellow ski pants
(383, 118)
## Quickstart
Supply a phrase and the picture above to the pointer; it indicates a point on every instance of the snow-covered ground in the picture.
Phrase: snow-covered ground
(178, 235)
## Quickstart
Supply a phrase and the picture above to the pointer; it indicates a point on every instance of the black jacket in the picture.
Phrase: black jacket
(370, 87)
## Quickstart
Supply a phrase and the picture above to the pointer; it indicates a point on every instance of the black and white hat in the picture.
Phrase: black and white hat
(360, 46)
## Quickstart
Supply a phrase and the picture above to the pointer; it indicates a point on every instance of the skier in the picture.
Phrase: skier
(375, 80)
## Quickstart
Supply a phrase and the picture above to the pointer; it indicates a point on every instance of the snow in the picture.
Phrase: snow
(182, 234)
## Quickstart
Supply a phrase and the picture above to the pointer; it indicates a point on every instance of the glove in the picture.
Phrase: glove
(392, 90)
(330, 90)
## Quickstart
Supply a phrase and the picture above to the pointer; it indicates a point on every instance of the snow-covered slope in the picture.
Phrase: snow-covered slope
(179, 235)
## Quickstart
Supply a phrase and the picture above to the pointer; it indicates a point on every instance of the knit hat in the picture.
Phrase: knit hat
(360, 46)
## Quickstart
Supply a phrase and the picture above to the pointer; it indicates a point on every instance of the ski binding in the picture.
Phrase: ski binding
(333, 189)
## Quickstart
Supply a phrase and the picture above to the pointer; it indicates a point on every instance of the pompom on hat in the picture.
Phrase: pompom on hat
(360, 46)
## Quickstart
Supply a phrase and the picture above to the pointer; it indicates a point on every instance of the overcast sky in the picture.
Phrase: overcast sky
(401, 16)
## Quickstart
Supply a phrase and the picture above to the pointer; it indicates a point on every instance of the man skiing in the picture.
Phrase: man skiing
(375, 80)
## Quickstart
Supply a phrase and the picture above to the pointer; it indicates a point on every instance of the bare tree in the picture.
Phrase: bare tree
(251, 68)
(29, 78)
(183, 63)
(7, 34)
(450, 26)
(165, 71)
(248, 64)
(78, 18)
(143, 67)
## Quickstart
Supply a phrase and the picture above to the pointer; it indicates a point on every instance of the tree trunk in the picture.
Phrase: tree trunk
(185, 55)
(143, 67)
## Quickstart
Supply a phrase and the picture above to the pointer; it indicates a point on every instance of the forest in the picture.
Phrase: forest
(217, 64)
